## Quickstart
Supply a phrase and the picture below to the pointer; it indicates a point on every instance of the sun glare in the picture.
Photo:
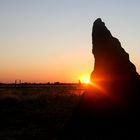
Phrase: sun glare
(86, 81)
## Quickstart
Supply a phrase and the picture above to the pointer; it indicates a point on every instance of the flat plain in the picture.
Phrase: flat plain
(36, 111)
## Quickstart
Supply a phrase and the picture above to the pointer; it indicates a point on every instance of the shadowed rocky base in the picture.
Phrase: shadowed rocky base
(110, 107)
(103, 116)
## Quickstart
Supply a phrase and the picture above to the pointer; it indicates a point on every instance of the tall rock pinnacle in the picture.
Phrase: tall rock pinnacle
(111, 60)
(109, 108)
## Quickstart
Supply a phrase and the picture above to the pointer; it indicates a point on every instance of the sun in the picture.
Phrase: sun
(84, 78)
(86, 81)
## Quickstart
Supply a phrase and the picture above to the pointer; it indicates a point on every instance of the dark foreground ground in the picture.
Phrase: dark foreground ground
(36, 112)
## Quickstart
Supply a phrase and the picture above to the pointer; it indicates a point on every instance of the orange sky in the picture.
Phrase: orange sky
(48, 41)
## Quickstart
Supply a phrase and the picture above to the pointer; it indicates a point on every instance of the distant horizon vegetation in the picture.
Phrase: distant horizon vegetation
(45, 83)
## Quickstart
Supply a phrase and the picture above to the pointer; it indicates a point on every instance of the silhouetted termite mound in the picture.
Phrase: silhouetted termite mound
(109, 109)
(111, 60)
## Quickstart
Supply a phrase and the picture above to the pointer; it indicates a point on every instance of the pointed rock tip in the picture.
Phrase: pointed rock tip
(99, 22)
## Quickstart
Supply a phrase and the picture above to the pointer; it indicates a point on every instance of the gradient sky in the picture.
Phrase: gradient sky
(50, 40)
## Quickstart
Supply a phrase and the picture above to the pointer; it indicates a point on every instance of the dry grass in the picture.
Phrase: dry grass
(36, 112)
